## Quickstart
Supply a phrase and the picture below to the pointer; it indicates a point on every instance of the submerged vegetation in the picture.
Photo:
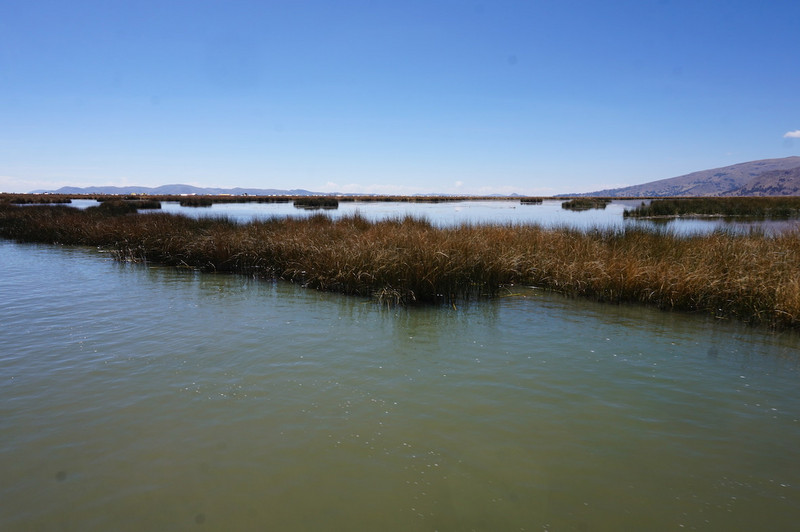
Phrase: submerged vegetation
(584, 204)
(766, 207)
(752, 277)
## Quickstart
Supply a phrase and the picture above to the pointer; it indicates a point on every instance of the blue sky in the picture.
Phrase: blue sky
(528, 97)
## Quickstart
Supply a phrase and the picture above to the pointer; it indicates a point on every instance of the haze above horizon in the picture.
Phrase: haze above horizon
(453, 97)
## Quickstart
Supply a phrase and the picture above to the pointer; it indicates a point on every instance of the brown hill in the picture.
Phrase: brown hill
(767, 177)
(775, 183)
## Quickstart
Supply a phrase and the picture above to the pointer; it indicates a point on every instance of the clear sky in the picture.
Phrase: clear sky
(396, 96)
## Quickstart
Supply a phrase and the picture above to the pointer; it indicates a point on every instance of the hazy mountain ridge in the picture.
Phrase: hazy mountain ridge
(171, 190)
(177, 189)
(766, 177)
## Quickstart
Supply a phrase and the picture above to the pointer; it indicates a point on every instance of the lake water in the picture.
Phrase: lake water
(443, 214)
(136, 397)
(452, 213)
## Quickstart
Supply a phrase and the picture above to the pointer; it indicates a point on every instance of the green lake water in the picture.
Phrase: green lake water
(135, 397)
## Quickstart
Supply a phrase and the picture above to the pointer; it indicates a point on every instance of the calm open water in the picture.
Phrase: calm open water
(453, 213)
(135, 397)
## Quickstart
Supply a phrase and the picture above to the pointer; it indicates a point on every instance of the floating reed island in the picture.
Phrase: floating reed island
(753, 277)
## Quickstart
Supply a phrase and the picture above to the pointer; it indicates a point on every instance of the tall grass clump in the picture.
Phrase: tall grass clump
(751, 277)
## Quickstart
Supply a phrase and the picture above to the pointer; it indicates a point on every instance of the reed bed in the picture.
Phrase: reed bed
(124, 206)
(33, 199)
(195, 201)
(317, 202)
(133, 203)
(751, 277)
(758, 207)
(584, 204)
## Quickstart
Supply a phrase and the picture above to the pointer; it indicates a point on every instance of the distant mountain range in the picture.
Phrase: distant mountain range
(767, 177)
(174, 190)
